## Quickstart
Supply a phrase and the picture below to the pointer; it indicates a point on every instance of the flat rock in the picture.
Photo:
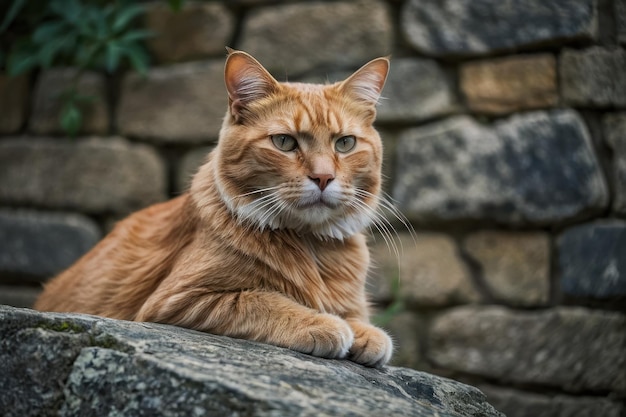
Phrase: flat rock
(620, 16)
(416, 89)
(291, 39)
(93, 175)
(534, 168)
(76, 365)
(510, 84)
(614, 130)
(182, 103)
(37, 245)
(14, 99)
(47, 104)
(593, 77)
(515, 266)
(592, 260)
(205, 28)
(574, 349)
(459, 27)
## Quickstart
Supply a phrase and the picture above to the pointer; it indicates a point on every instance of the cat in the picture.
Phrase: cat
(267, 244)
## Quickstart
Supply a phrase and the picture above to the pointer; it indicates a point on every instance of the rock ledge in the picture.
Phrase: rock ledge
(70, 364)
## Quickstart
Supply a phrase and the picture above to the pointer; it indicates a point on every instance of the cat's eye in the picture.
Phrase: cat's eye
(285, 143)
(345, 144)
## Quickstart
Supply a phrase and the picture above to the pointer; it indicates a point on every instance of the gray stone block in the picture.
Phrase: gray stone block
(72, 364)
(515, 403)
(37, 245)
(592, 260)
(95, 175)
(573, 349)
(614, 129)
(416, 89)
(294, 38)
(178, 103)
(14, 98)
(459, 27)
(534, 168)
(47, 103)
(593, 77)
(196, 31)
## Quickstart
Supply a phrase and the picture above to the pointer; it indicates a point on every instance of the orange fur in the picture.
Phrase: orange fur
(267, 244)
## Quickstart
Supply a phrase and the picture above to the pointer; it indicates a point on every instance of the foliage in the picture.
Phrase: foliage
(85, 34)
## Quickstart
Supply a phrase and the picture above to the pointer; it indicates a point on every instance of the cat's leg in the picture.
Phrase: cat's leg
(372, 346)
(267, 317)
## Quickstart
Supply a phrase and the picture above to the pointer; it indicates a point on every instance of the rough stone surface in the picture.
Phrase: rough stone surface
(574, 349)
(534, 168)
(458, 27)
(87, 174)
(416, 89)
(614, 129)
(13, 102)
(515, 265)
(189, 165)
(514, 403)
(592, 260)
(178, 103)
(47, 104)
(431, 272)
(84, 365)
(39, 245)
(593, 77)
(505, 85)
(196, 31)
(293, 38)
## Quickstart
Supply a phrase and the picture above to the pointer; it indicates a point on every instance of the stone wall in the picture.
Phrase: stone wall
(505, 133)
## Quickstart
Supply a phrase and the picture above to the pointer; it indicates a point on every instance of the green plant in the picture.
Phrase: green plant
(84, 34)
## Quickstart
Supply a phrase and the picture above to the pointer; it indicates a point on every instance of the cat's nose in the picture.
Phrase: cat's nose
(322, 180)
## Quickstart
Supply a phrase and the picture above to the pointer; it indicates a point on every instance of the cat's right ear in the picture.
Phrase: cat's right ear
(246, 81)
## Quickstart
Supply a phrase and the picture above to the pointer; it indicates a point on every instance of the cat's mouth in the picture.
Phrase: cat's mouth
(316, 203)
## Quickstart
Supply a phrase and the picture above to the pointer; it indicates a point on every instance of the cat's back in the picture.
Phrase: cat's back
(123, 269)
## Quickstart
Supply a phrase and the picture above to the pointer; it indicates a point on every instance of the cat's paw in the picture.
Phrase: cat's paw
(371, 347)
(328, 337)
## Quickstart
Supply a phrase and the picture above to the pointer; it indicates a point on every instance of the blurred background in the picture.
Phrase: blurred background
(504, 125)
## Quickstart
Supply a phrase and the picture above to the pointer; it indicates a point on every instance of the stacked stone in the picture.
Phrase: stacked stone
(505, 133)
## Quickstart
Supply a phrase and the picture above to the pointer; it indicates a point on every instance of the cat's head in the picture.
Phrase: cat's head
(301, 156)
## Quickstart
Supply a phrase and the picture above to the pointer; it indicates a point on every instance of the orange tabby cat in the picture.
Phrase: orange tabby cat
(267, 243)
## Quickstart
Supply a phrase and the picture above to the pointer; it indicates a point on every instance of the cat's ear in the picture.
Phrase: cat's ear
(367, 82)
(246, 81)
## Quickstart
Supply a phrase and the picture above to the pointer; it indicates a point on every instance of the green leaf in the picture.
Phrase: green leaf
(71, 119)
(136, 35)
(21, 61)
(125, 16)
(47, 31)
(113, 54)
(137, 57)
(15, 8)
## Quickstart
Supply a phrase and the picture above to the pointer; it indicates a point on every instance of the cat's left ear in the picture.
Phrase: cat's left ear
(246, 81)
(367, 82)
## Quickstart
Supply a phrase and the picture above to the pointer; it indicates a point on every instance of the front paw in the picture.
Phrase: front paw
(371, 347)
(327, 336)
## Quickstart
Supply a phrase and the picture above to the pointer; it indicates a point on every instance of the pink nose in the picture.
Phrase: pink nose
(322, 180)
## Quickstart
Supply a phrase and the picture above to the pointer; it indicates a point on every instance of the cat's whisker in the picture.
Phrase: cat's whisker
(259, 191)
